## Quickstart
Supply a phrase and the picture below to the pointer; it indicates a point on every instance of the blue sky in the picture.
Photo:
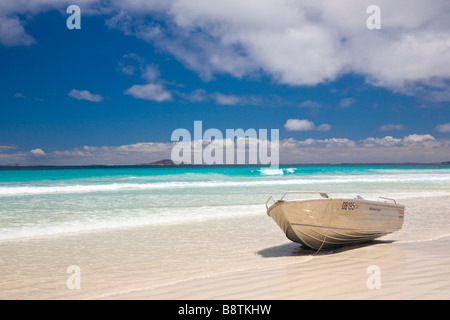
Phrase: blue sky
(114, 91)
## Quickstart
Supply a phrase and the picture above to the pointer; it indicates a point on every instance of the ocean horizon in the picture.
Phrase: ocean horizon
(161, 164)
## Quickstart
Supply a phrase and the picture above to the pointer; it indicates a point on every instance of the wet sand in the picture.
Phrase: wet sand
(244, 257)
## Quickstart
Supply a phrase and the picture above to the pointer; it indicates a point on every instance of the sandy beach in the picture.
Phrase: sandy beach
(244, 257)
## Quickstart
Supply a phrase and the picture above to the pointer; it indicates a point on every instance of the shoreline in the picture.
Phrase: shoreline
(258, 211)
(243, 257)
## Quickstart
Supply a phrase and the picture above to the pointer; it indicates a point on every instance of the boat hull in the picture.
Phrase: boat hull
(328, 223)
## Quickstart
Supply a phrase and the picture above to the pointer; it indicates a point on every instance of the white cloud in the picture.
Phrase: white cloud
(299, 125)
(15, 14)
(198, 95)
(443, 128)
(294, 42)
(153, 90)
(221, 98)
(386, 141)
(347, 102)
(307, 42)
(324, 127)
(37, 152)
(12, 32)
(150, 91)
(151, 73)
(133, 63)
(438, 94)
(309, 104)
(304, 125)
(412, 148)
(391, 127)
(85, 95)
(130, 154)
(410, 140)
(7, 146)
(201, 95)
(419, 138)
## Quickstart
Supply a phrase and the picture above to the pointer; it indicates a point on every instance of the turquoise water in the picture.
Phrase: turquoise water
(53, 201)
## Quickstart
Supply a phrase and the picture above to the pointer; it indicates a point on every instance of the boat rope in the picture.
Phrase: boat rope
(320, 246)
(325, 238)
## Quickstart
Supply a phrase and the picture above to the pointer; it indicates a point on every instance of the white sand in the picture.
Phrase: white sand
(406, 272)
(236, 258)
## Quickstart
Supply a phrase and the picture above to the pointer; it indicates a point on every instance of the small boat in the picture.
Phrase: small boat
(324, 223)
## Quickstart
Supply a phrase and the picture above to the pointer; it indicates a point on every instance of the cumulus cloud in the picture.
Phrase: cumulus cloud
(198, 95)
(391, 127)
(299, 125)
(419, 138)
(304, 125)
(307, 42)
(151, 73)
(130, 154)
(153, 90)
(228, 99)
(290, 40)
(133, 63)
(324, 127)
(309, 104)
(37, 152)
(347, 102)
(150, 91)
(85, 95)
(443, 128)
(12, 32)
(412, 148)
(221, 98)
(294, 42)
(410, 140)
(14, 16)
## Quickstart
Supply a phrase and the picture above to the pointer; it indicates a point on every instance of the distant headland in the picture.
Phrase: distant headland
(170, 163)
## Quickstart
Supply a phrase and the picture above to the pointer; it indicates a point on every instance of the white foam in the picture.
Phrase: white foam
(413, 179)
(276, 171)
(128, 219)
(271, 172)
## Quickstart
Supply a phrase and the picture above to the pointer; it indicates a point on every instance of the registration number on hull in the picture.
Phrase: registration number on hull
(349, 205)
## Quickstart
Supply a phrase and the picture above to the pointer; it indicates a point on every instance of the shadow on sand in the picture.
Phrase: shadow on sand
(296, 249)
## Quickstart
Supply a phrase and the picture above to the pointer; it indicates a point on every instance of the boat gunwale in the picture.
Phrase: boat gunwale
(370, 202)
